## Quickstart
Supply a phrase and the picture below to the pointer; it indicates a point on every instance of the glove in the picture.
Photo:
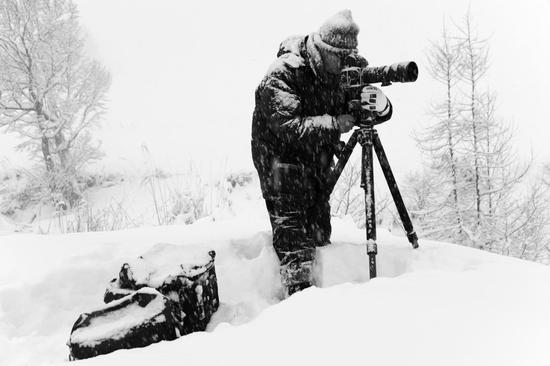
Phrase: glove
(373, 99)
(344, 122)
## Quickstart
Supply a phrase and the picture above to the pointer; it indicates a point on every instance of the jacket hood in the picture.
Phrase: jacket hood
(306, 50)
(292, 44)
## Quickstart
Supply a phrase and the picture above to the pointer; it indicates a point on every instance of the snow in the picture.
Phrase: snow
(441, 304)
(6, 227)
(127, 200)
(164, 260)
(325, 121)
(116, 324)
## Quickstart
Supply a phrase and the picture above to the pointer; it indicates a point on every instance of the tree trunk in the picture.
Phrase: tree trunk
(47, 154)
(452, 154)
(61, 150)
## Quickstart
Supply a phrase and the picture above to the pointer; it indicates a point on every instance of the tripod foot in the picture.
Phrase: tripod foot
(413, 239)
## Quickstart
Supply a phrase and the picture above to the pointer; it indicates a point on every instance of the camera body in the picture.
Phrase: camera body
(357, 74)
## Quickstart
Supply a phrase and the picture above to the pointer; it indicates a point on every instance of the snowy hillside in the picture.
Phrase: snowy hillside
(439, 305)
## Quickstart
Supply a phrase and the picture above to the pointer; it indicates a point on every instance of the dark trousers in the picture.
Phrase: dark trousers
(297, 204)
(299, 225)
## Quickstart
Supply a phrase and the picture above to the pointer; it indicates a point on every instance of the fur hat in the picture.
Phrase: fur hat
(338, 33)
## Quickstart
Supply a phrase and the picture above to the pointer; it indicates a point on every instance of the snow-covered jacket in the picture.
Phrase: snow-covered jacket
(294, 133)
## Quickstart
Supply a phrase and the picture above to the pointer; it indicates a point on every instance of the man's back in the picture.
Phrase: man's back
(289, 93)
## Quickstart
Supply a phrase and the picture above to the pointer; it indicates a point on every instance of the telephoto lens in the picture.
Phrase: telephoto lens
(401, 72)
(357, 72)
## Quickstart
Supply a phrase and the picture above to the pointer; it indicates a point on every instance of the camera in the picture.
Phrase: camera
(357, 74)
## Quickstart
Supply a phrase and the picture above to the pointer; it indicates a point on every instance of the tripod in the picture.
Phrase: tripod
(368, 138)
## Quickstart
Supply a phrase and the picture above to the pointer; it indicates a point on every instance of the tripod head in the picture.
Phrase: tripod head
(363, 118)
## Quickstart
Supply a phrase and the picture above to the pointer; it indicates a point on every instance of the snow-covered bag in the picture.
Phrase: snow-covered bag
(136, 320)
(185, 274)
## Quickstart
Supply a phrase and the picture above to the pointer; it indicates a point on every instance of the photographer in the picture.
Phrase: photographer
(299, 115)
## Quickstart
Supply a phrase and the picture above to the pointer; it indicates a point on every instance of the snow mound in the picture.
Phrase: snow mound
(434, 318)
(117, 323)
(166, 260)
(441, 304)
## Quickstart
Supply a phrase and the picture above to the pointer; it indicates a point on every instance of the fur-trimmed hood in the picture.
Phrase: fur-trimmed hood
(305, 48)
(292, 44)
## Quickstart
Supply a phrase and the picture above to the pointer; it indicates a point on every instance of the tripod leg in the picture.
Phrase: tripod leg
(367, 183)
(345, 154)
(392, 184)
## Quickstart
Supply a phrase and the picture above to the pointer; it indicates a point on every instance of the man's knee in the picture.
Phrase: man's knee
(290, 235)
(304, 253)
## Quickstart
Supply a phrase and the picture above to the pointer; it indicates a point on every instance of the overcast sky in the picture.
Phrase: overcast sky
(184, 73)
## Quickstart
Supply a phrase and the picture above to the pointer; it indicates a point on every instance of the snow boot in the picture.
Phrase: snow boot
(296, 276)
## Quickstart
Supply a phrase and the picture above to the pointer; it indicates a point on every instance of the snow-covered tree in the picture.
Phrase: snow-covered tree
(495, 168)
(52, 95)
(427, 196)
(474, 64)
(546, 175)
(474, 190)
(441, 142)
(524, 225)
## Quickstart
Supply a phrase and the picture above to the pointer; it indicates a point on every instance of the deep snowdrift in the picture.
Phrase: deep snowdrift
(439, 305)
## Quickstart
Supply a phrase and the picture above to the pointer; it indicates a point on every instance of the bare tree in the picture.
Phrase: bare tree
(546, 175)
(475, 64)
(524, 228)
(441, 140)
(52, 95)
(346, 196)
(503, 172)
(474, 190)
(493, 164)
(426, 196)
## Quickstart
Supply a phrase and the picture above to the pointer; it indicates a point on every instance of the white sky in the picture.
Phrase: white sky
(184, 73)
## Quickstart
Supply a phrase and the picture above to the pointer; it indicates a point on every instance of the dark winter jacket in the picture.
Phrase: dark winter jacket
(294, 133)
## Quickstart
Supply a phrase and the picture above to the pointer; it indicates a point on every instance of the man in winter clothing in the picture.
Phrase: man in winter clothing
(299, 115)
